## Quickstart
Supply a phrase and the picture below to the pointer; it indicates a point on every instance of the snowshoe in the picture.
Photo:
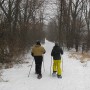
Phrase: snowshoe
(39, 76)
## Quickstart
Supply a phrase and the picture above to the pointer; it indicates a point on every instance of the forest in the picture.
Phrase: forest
(22, 22)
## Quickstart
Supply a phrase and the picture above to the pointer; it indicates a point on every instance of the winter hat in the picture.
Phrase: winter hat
(56, 44)
(38, 42)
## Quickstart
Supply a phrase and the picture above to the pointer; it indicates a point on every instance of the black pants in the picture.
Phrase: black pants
(38, 64)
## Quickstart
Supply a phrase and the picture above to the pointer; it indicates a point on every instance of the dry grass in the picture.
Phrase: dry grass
(83, 57)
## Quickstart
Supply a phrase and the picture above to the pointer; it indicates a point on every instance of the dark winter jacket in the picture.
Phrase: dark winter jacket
(56, 53)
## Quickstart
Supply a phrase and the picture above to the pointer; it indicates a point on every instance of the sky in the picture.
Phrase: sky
(50, 10)
(75, 75)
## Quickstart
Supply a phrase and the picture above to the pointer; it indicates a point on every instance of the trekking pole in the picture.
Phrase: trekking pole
(51, 67)
(43, 64)
(30, 68)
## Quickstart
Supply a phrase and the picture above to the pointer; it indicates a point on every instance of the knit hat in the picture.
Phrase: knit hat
(56, 44)
(38, 42)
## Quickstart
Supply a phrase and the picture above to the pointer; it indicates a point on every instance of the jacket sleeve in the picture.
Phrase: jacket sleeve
(44, 51)
(32, 52)
(61, 51)
(52, 52)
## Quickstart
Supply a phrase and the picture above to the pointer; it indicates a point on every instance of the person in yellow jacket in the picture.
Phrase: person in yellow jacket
(37, 52)
(56, 53)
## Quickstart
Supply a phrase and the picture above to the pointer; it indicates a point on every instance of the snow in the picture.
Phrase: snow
(75, 75)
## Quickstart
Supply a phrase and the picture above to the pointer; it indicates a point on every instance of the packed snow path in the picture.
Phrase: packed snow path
(74, 77)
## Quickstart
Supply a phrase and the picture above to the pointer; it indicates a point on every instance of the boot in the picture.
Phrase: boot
(54, 73)
(59, 76)
(39, 76)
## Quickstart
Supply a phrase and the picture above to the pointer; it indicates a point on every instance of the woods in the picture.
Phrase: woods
(71, 25)
(21, 24)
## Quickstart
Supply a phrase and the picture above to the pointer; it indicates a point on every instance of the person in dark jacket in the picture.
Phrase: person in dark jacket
(56, 54)
(37, 52)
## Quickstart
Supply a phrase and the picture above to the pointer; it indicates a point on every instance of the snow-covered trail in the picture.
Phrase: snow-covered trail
(75, 76)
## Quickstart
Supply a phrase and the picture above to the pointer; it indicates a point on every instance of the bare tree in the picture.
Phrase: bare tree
(21, 21)
(71, 22)
(87, 19)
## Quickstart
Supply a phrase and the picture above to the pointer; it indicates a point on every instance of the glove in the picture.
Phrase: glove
(32, 54)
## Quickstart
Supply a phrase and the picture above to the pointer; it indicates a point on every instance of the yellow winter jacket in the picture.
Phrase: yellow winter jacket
(38, 50)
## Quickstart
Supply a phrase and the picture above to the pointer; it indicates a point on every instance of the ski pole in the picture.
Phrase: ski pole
(30, 68)
(43, 64)
(51, 66)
